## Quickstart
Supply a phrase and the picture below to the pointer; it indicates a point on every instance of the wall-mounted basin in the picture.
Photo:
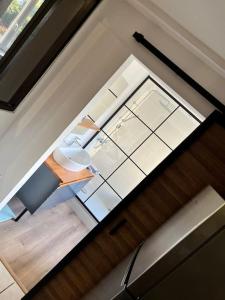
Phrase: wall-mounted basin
(72, 158)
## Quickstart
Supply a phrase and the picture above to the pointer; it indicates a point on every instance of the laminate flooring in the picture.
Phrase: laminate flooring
(35, 244)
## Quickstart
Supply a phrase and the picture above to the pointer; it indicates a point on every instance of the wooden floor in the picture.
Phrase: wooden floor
(35, 244)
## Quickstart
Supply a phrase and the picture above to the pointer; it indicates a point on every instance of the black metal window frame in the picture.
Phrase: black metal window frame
(151, 132)
(69, 17)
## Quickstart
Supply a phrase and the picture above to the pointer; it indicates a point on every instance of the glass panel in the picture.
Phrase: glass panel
(151, 104)
(104, 103)
(14, 19)
(105, 155)
(150, 154)
(90, 187)
(127, 131)
(126, 178)
(178, 126)
(102, 201)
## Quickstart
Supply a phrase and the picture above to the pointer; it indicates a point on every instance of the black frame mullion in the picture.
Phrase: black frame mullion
(128, 156)
(128, 98)
(83, 202)
(105, 181)
(151, 132)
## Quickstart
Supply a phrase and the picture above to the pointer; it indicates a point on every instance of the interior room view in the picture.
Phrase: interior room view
(124, 133)
(112, 150)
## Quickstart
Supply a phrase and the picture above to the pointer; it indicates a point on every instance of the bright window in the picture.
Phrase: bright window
(14, 17)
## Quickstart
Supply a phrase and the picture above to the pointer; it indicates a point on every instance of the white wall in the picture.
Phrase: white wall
(93, 55)
(204, 19)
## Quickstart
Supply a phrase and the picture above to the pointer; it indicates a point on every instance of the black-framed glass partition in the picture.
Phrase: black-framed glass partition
(145, 129)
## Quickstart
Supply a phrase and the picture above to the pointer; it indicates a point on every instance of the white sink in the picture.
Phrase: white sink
(72, 158)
